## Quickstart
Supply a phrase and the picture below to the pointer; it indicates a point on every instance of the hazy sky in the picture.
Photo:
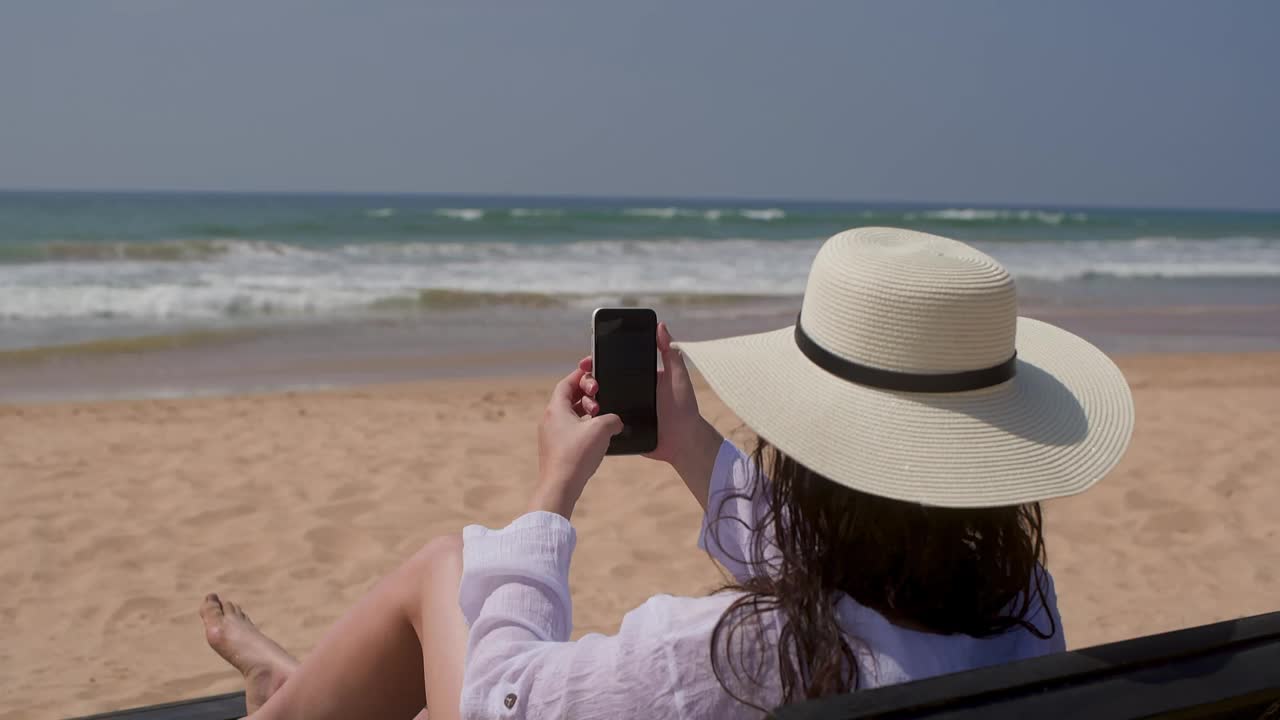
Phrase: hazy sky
(1122, 103)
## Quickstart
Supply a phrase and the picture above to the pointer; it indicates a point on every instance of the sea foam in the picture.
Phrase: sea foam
(465, 214)
(245, 278)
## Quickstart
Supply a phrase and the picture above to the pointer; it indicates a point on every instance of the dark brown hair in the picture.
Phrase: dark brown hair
(976, 572)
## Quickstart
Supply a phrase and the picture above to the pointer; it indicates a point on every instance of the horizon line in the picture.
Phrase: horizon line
(628, 198)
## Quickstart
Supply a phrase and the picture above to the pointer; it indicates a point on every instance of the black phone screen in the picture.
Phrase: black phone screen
(626, 367)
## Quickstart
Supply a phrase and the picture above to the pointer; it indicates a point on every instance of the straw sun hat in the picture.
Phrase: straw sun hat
(901, 379)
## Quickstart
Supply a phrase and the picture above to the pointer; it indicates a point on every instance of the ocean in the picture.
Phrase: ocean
(85, 268)
(74, 265)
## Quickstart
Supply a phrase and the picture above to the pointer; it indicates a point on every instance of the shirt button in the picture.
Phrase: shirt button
(510, 701)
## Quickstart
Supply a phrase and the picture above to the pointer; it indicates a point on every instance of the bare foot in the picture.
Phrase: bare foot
(264, 664)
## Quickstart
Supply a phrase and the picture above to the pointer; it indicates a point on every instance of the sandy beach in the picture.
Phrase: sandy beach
(116, 517)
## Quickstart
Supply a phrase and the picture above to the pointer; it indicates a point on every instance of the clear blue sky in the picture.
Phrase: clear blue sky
(1119, 103)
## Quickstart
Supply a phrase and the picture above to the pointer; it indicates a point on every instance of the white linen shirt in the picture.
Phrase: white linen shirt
(521, 664)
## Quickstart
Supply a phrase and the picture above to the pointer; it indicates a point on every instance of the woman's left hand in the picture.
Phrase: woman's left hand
(571, 445)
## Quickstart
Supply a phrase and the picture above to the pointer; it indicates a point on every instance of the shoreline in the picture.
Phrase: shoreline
(511, 342)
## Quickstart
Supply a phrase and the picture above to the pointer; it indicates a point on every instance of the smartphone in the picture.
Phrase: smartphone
(624, 358)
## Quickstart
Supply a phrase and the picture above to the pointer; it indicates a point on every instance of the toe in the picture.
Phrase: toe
(211, 608)
(234, 609)
(213, 615)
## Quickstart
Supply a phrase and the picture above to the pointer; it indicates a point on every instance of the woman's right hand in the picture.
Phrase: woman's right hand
(685, 439)
(570, 447)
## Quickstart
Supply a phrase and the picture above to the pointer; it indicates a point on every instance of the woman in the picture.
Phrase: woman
(886, 528)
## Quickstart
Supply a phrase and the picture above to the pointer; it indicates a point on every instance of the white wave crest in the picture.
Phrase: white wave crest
(1046, 217)
(464, 214)
(380, 212)
(710, 214)
(767, 215)
(665, 213)
(257, 249)
(430, 251)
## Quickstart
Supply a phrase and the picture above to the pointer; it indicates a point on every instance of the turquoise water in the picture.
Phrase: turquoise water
(76, 265)
(55, 225)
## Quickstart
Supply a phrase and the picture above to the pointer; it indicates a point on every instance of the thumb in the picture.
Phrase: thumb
(672, 358)
(609, 424)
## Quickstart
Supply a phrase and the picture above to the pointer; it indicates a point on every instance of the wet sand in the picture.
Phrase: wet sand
(317, 353)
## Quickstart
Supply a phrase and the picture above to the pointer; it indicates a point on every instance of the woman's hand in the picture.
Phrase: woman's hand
(571, 444)
(685, 439)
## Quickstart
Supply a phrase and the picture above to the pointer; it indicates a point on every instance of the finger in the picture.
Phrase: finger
(672, 358)
(567, 392)
(588, 385)
(664, 338)
(591, 407)
(585, 364)
(611, 423)
(580, 409)
(664, 348)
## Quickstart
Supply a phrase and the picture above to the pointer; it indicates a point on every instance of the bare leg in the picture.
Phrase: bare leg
(265, 665)
(403, 642)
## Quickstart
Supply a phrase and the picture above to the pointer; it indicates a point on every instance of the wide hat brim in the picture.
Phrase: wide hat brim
(1056, 428)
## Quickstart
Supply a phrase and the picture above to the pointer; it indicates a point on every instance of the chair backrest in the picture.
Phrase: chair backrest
(1226, 670)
